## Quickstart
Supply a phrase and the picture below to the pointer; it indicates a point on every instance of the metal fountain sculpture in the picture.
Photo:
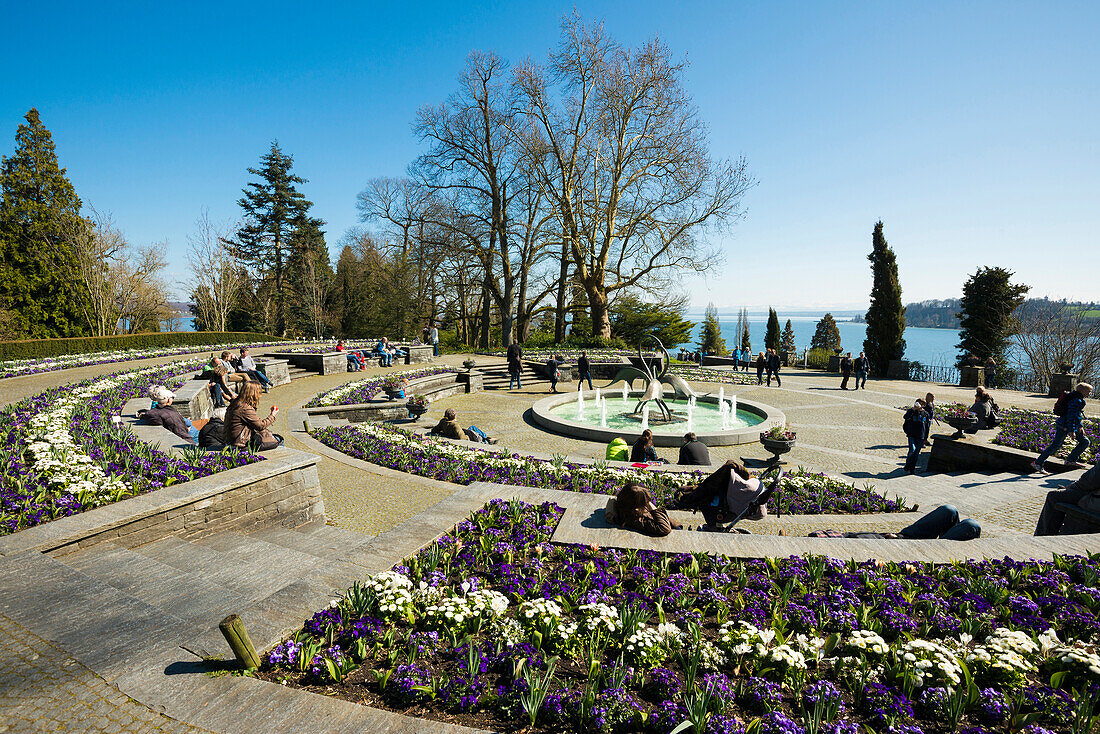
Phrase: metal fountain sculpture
(654, 380)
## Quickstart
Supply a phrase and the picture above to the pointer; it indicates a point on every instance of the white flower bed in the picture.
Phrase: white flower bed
(60, 460)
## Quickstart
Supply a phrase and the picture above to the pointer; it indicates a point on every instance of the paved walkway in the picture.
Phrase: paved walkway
(43, 689)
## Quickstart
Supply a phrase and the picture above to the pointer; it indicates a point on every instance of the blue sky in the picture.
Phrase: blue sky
(969, 128)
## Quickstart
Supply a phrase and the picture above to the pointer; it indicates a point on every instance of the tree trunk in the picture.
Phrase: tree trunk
(560, 306)
(601, 317)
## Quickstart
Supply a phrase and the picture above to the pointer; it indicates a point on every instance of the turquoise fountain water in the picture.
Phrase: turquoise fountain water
(614, 410)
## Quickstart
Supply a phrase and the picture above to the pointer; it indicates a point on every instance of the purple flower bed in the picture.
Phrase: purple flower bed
(495, 627)
(31, 494)
(363, 391)
(801, 492)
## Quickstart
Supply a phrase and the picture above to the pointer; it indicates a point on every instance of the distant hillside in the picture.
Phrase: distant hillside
(942, 314)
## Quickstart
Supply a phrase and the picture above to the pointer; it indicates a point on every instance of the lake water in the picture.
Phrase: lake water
(927, 346)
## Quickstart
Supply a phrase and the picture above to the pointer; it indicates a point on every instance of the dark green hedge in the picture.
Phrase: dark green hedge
(40, 348)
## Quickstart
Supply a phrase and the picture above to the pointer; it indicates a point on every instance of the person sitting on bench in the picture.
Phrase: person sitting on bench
(163, 413)
(633, 508)
(729, 494)
(942, 522)
(1051, 518)
(694, 452)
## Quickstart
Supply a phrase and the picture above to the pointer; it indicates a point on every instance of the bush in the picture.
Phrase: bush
(818, 359)
(43, 348)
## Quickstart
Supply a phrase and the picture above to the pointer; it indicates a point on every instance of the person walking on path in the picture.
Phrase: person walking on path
(433, 336)
(846, 371)
(1068, 424)
(991, 373)
(515, 365)
(1051, 518)
(552, 372)
(760, 363)
(862, 367)
(746, 358)
(915, 425)
(773, 368)
(584, 370)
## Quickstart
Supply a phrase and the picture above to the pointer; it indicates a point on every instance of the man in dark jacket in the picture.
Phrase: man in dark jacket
(773, 363)
(862, 367)
(515, 365)
(1067, 425)
(584, 369)
(694, 452)
(846, 371)
(914, 425)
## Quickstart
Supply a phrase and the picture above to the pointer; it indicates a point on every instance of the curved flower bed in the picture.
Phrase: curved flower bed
(706, 374)
(61, 453)
(362, 391)
(800, 492)
(570, 355)
(1032, 430)
(494, 627)
(15, 368)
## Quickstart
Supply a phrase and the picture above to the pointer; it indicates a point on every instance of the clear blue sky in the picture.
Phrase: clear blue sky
(969, 128)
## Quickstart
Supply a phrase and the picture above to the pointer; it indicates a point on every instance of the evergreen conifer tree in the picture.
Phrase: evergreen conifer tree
(786, 342)
(826, 334)
(772, 337)
(273, 210)
(38, 270)
(987, 319)
(886, 315)
(746, 337)
(710, 340)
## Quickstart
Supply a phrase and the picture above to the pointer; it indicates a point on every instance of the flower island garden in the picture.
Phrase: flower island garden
(498, 607)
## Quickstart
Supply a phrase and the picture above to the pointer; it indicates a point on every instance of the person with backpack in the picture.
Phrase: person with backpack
(1069, 409)
(914, 424)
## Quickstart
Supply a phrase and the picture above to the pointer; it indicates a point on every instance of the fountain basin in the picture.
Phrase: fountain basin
(757, 417)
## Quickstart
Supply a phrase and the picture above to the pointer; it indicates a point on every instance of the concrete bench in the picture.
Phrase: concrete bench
(277, 371)
(976, 453)
(193, 400)
(1078, 519)
(157, 436)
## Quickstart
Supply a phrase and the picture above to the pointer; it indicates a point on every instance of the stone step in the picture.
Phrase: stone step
(262, 575)
(287, 564)
(89, 619)
(326, 546)
(186, 594)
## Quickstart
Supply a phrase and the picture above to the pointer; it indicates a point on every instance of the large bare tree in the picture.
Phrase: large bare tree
(1053, 333)
(625, 159)
(216, 278)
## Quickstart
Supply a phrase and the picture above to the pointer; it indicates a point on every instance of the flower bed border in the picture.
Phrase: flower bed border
(284, 489)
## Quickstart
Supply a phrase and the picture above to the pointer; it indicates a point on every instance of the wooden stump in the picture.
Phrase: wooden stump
(237, 637)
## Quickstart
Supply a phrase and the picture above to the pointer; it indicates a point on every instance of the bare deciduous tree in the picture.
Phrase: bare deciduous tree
(1053, 333)
(216, 277)
(624, 157)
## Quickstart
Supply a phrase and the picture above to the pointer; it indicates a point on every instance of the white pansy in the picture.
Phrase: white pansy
(930, 662)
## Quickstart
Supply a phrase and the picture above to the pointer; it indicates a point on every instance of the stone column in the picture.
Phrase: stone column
(1060, 383)
(972, 377)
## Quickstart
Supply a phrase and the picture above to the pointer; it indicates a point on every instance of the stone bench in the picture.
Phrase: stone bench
(418, 353)
(325, 363)
(277, 371)
(1078, 519)
(976, 453)
(157, 436)
(193, 400)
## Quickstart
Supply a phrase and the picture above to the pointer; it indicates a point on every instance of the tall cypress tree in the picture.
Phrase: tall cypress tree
(38, 278)
(786, 342)
(772, 338)
(987, 321)
(746, 338)
(886, 316)
(710, 340)
(273, 211)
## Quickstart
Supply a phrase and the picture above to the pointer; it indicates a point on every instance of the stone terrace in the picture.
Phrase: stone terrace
(91, 640)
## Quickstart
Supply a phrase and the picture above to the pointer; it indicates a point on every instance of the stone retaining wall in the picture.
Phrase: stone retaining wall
(275, 370)
(284, 489)
(326, 363)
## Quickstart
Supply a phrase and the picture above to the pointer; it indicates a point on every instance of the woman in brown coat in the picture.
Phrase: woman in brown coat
(633, 507)
(243, 427)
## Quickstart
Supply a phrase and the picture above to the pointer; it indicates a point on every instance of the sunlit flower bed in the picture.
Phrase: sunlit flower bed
(800, 492)
(493, 626)
(1032, 430)
(61, 453)
(329, 346)
(362, 391)
(15, 368)
(706, 374)
(595, 356)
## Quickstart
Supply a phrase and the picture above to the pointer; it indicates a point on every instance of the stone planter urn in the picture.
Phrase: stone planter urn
(416, 411)
(777, 446)
(962, 423)
(469, 364)
(395, 393)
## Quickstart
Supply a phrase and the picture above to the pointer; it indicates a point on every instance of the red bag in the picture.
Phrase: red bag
(1062, 404)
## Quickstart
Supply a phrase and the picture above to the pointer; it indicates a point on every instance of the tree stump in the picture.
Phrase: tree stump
(237, 637)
